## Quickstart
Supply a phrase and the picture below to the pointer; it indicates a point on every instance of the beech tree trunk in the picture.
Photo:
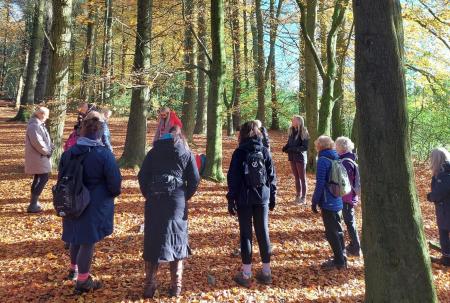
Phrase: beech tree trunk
(135, 141)
(200, 125)
(236, 40)
(337, 116)
(213, 169)
(397, 265)
(4, 66)
(260, 68)
(87, 82)
(188, 116)
(107, 52)
(58, 80)
(275, 125)
(245, 38)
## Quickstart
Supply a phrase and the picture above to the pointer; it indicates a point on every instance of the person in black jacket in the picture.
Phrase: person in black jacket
(440, 195)
(250, 202)
(168, 179)
(296, 148)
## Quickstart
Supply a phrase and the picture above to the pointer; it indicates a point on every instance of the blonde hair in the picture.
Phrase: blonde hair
(438, 157)
(344, 144)
(41, 110)
(258, 123)
(324, 142)
(303, 131)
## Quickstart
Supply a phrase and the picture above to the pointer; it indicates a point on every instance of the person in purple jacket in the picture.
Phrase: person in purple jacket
(344, 147)
(331, 206)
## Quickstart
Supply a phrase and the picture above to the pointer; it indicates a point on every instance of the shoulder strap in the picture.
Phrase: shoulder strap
(351, 161)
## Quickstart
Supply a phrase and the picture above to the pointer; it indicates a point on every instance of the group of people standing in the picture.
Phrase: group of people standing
(169, 178)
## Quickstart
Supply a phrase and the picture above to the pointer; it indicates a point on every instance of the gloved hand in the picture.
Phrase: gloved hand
(314, 208)
(232, 207)
(271, 204)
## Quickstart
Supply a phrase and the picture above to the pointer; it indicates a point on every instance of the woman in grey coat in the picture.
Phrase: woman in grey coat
(38, 150)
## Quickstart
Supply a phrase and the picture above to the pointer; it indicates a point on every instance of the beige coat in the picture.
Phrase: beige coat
(38, 146)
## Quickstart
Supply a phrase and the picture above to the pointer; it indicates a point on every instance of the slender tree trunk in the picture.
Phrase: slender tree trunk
(236, 40)
(311, 97)
(37, 41)
(301, 76)
(323, 33)
(135, 142)
(58, 80)
(123, 48)
(188, 116)
(19, 90)
(107, 52)
(261, 84)
(200, 125)
(213, 169)
(273, 78)
(397, 266)
(41, 84)
(254, 45)
(4, 66)
(228, 105)
(337, 118)
(245, 25)
(87, 72)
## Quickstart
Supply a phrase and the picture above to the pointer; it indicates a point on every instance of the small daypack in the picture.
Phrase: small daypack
(338, 181)
(70, 195)
(164, 184)
(255, 170)
(356, 186)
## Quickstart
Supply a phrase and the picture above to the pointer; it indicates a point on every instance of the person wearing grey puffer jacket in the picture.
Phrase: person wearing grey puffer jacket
(38, 150)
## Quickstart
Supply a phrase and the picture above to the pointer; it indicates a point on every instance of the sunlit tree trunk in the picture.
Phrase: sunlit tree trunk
(200, 125)
(337, 116)
(87, 70)
(396, 259)
(135, 142)
(107, 52)
(4, 67)
(261, 84)
(245, 39)
(275, 125)
(236, 40)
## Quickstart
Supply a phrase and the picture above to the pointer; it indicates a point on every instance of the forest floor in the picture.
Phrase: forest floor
(33, 261)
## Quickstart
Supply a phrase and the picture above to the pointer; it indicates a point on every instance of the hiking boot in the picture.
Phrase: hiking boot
(263, 278)
(330, 264)
(34, 206)
(353, 251)
(176, 278)
(150, 280)
(242, 280)
(87, 286)
(72, 275)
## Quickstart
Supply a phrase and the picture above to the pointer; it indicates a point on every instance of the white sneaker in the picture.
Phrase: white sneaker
(297, 200)
(303, 201)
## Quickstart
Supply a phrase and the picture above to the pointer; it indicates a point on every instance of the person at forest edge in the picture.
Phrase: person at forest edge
(101, 176)
(251, 198)
(166, 120)
(330, 205)
(344, 147)
(440, 195)
(38, 150)
(296, 148)
(168, 179)
(264, 134)
(106, 136)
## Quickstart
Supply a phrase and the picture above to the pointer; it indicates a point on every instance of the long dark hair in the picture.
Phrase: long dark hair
(249, 130)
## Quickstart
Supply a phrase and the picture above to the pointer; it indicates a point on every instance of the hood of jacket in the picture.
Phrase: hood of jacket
(329, 153)
(168, 144)
(84, 144)
(35, 120)
(251, 144)
(348, 155)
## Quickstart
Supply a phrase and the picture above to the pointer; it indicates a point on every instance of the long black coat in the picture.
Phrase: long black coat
(237, 190)
(296, 148)
(166, 226)
(440, 195)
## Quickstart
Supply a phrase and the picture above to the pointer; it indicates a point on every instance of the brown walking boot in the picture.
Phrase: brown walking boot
(150, 285)
(176, 276)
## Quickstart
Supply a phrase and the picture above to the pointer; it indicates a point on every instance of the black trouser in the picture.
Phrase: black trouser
(81, 255)
(334, 234)
(259, 214)
(38, 184)
(348, 213)
(444, 239)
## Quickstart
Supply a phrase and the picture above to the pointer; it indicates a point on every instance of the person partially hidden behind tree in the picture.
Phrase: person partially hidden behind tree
(440, 195)
(251, 194)
(38, 150)
(168, 179)
(330, 205)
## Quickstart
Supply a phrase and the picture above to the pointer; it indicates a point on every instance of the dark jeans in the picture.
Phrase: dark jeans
(81, 255)
(348, 212)
(299, 172)
(38, 184)
(259, 214)
(334, 234)
(444, 239)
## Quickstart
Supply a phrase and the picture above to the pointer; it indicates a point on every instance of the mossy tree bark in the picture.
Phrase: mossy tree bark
(237, 75)
(87, 70)
(200, 124)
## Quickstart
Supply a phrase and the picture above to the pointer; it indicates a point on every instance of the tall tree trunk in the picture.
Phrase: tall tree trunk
(397, 266)
(254, 44)
(273, 80)
(261, 84)
(135, 142)
(200, 125)
(42, 77)
(37, 41)
(236, 40)
(87, 70)
(228, 105)
(58, 80)
(123, 47)
(245, 38)
(311, 96)
(213, 169)
(301, 76)
(24, 59)
(4, 67)
(189, 98)
(19, 90)
(323, 33)
(107, 52)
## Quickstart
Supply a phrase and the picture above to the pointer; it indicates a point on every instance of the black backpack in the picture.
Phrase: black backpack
(255, 170)
(164, 184)
(70, 196)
